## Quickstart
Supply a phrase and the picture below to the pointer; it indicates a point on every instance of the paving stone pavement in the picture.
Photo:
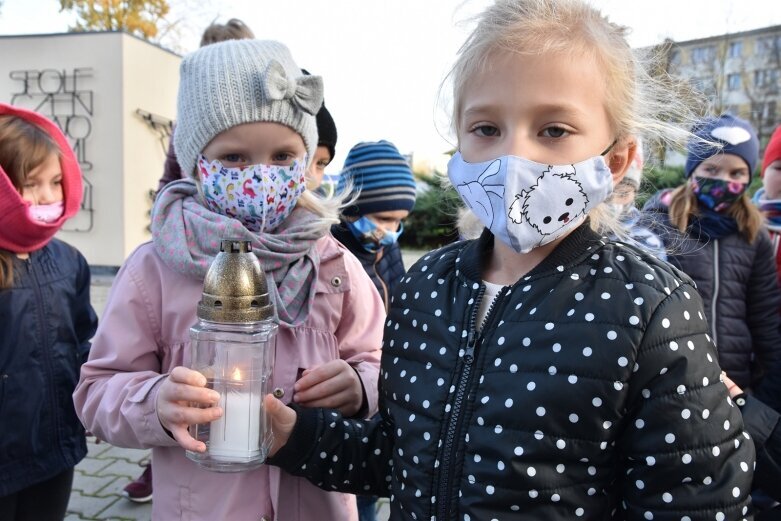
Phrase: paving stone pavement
(101, 476)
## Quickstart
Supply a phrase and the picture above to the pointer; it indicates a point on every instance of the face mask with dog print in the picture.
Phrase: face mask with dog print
(527, 204)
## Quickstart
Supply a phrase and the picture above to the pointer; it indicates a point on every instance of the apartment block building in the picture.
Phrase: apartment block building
(736, 72)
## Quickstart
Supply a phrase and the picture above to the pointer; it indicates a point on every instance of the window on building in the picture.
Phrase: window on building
(675, 57)
(767, 79)
(763, 111)
(736, 49)
(733, 82)
(769, 45)
(702, 54)
(704, 85)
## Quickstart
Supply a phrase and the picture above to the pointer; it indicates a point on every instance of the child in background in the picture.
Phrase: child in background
(46, 320)
(383, 187)
(541, 371)
(714, 234)
(623, 203)
(382, 191)
(245, 145)
(768, 198)
(233, 29)
(325, 152)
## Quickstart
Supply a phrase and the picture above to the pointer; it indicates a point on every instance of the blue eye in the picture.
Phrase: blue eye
(554, 132)
(486, 131)
(282, 157)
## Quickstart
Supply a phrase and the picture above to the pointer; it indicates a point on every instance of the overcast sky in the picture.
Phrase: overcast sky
(383, 60)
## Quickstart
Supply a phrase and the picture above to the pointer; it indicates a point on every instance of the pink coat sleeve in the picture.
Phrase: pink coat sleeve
(116, 394)
(360, 330)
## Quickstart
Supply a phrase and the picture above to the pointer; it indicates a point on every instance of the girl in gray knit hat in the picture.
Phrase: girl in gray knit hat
(245, 136)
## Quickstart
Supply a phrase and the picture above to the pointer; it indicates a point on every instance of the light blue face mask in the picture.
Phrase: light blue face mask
(527, 204)
(372, 237)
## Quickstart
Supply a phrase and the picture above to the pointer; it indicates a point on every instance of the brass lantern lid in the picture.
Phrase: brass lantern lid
(235, 290)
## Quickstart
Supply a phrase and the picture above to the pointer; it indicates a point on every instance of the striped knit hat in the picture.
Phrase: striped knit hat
(380, 176)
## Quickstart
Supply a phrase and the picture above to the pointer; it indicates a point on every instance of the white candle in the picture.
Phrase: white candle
(235, 436)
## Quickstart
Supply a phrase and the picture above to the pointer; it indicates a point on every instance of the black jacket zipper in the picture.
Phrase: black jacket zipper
(44, 343)
(450, 447)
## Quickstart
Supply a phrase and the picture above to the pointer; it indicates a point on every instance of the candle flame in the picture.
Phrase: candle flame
(236, 375)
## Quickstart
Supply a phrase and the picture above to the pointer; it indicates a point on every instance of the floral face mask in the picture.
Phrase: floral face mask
(260, 196)
(716, 194)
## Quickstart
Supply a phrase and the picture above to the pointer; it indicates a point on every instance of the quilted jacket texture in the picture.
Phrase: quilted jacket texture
(739, 289)
(592, 392)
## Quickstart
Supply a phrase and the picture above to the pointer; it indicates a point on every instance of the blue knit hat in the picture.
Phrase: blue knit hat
(735, 134)
(380, 176)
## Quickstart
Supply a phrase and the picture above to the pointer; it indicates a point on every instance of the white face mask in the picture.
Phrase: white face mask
(527, 204)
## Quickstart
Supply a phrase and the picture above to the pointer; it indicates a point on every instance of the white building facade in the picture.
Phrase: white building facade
(114, 97)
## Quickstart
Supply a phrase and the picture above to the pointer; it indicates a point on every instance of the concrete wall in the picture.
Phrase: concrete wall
(151, 83)
(92, 84)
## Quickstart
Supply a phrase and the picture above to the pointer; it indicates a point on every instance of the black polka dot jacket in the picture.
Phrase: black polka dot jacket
(592, 392)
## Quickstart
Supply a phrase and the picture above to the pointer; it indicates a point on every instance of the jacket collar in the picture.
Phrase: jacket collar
(575, 245)
(346, 237)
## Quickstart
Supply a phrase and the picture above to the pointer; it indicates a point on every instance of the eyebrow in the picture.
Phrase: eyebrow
(38, 174)
(565, 109)
(715, 163)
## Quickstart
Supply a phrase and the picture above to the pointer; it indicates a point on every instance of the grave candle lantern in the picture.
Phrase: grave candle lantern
(233, 347)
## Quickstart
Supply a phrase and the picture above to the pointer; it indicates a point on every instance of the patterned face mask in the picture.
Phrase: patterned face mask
(716, 194)
(46, 213)
(372, 237)
(527, 204)
(260, 196)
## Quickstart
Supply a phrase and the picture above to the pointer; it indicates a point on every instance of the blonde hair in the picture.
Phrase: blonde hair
(636, 103)
(23, 148)
(326, 207)
(683, 206)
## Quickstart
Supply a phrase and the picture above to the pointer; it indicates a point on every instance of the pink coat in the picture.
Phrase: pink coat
(144, 333)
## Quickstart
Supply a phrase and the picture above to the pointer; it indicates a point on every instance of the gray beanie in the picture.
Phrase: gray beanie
(242, 81)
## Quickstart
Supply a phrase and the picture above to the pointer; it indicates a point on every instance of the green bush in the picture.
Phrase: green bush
(432, 223)
(658, 178)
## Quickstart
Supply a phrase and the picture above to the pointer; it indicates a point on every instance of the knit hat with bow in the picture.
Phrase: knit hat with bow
(242, 81)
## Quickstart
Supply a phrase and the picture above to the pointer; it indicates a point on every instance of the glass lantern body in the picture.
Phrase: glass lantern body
(236, 360)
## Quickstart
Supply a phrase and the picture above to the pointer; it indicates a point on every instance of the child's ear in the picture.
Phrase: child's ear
(620, 158)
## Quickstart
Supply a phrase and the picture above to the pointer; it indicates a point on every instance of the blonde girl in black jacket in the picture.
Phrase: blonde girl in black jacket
(716, 235)
(541, 371)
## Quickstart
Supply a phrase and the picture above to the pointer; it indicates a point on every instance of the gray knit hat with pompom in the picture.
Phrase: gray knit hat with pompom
(242, 81)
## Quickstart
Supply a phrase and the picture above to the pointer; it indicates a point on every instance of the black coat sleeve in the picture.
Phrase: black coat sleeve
(85, 319)
(762, 423)
(763, 305)
(685, 452)
(335, 453)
